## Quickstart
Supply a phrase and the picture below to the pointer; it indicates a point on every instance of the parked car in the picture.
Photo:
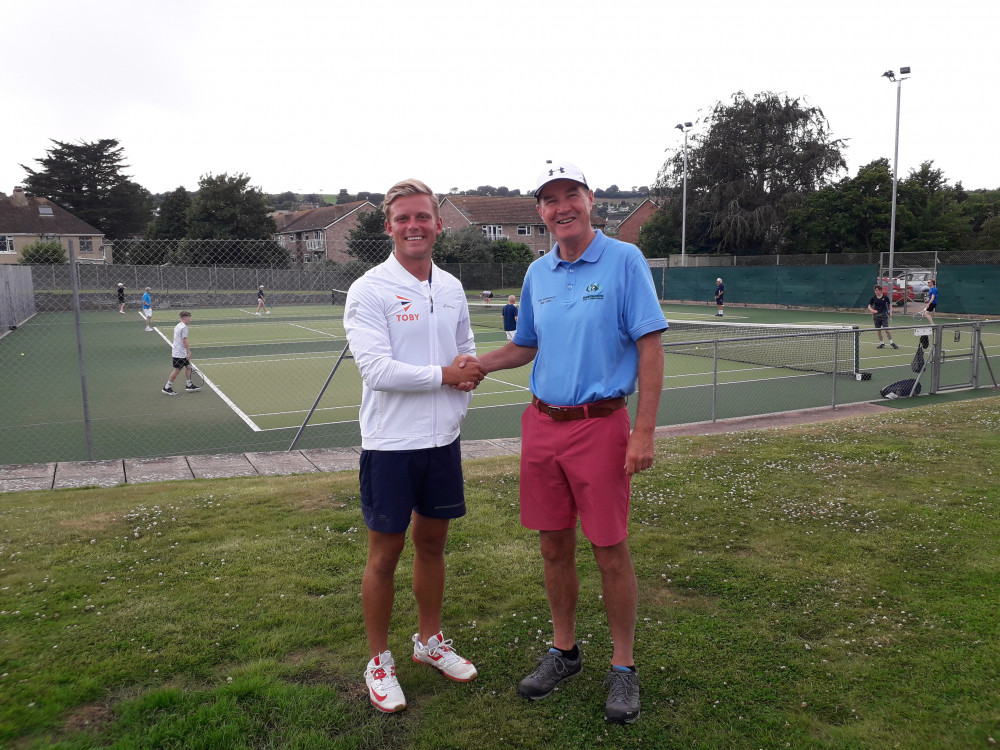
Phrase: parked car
(897, 292)
(919, 282)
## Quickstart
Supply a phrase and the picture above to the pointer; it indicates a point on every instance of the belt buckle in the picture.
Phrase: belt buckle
(555, 410)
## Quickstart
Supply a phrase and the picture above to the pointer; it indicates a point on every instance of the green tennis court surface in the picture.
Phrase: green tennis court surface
(263, 374)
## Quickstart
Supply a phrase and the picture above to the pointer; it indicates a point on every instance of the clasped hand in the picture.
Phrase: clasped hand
(464, 373)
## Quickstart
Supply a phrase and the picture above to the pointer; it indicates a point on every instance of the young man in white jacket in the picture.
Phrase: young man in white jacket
(407, 324)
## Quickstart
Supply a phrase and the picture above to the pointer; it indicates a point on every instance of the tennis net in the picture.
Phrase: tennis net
(807, 348)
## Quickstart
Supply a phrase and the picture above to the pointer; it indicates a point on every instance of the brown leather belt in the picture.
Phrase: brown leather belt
(584, 411)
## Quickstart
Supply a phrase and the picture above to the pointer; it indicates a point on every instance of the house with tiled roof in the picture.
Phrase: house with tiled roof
(501, 218)
(628, 229)
(320, 233)
(26, 219)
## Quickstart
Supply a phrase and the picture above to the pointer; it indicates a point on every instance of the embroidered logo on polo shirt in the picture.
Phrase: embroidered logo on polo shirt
(404, 302)
(594, 292)
(594, 288)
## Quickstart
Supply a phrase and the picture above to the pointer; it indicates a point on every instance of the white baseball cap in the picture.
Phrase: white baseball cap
(561, 171)
(718, 280)
(120, 284)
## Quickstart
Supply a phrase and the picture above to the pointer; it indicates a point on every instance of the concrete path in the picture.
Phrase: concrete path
(110, 473)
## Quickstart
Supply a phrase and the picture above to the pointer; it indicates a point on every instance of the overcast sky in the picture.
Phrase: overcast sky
(318, 95)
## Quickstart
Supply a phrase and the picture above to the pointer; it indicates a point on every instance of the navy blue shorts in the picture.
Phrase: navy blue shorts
(396, 483)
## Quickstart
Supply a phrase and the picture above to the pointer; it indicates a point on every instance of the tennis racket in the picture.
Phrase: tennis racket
(918, 315)
(196, 377)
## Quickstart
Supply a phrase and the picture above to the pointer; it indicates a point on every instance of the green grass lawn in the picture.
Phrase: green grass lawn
(825, 586)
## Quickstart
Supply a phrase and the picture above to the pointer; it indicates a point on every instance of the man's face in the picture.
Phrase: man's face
(564, 206)
(413, 224)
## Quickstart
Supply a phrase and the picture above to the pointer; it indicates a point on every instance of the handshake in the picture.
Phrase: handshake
(463, 374)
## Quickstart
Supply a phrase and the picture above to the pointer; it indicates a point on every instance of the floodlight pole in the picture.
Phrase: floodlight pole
(895, 174)
(684, 128)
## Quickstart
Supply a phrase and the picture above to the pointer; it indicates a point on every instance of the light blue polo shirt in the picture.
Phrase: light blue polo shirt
(585, 318)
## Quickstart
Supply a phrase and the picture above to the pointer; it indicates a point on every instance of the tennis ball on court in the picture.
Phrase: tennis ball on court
(22, 354)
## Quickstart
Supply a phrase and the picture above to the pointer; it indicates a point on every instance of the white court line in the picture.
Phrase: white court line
(228, 401)
(286, 358)
(504, 382)
(313, 330)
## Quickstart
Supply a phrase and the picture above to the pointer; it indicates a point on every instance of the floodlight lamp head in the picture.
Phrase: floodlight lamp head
(890, 75)
(688, 125)
(904, 71)
(679, 126)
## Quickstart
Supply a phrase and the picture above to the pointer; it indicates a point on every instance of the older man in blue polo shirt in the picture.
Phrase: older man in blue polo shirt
(591, 321)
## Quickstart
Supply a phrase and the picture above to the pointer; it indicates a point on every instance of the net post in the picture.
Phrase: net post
(715, 379)
(836, 367)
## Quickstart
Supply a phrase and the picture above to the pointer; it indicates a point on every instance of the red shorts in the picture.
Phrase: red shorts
(575, 469)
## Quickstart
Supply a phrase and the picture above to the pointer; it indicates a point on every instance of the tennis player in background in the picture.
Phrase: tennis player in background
(181, 353)
(932, 299)
(509, 313)
(881, 310)
(261, 304)
(147, 309)
(720, 291)
(121, 298)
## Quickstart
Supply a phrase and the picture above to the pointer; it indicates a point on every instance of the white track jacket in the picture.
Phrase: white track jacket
(401, 332)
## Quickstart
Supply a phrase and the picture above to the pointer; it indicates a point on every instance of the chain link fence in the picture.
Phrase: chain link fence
(83, 375)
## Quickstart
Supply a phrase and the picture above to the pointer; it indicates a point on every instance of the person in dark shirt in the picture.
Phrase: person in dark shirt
(720, 291)
(509, 313)
(881, 310)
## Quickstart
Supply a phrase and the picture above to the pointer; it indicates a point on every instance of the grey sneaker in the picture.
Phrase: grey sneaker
(622, 706)
(552, 669)
(168, 390)
(893, 344)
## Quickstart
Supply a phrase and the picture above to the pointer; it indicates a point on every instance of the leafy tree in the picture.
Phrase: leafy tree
(930, 219)
(43, 253)
(755, 159)
(852, 216)
(508, 251)
(344, 197)
(286, 201)
(87, 180)
(467, 245)
(982, 209)
(368, 241)
(227, 208)
(172, 221)
(659, 235)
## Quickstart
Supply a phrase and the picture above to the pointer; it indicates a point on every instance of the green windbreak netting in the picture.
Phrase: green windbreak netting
(818, 286)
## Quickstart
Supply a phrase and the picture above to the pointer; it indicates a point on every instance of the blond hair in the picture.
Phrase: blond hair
(406, 188)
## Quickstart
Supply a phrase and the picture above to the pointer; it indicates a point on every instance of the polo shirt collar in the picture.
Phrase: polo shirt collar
(591, 255)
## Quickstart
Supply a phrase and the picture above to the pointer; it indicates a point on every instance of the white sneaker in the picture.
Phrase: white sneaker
(148, 328)
(268, 312)
(438, 654)
(383, 687)
(257, 314)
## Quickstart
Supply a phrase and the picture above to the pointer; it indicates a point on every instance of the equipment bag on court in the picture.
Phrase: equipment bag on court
(917, 365)
(900, 389)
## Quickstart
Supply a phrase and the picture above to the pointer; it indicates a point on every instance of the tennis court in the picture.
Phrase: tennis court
(264, 373)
